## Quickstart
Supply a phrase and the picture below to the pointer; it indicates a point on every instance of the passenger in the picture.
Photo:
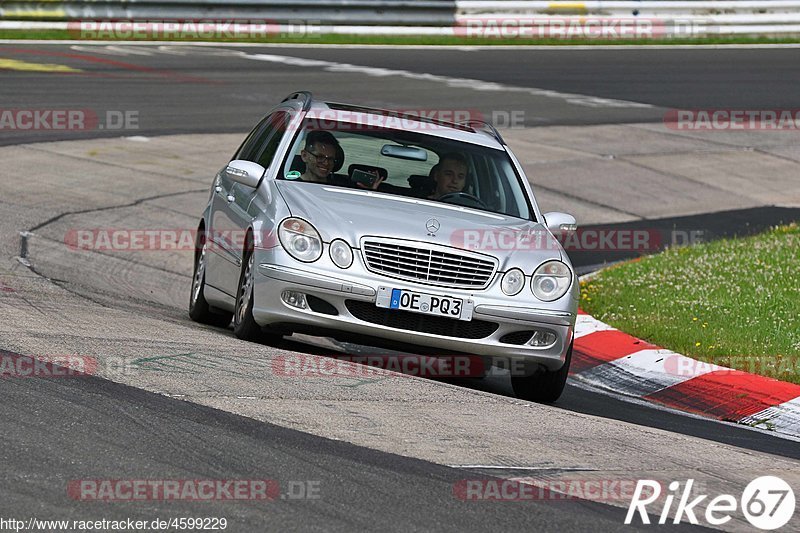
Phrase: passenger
(449, 174)
(320, 157)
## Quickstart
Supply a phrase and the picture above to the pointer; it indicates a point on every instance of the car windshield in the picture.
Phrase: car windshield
(413, 164)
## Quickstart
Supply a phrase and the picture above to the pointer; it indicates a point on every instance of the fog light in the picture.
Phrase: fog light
(542, 338)
(295, 299)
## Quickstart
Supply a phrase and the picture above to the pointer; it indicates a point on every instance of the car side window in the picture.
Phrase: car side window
(249, 146)
(262, 143)
(267, 148)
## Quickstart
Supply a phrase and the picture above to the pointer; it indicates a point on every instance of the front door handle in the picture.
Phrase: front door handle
(218, 188)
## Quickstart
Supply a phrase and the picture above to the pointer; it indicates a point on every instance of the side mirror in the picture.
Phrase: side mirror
(560, 222)
(245, 172)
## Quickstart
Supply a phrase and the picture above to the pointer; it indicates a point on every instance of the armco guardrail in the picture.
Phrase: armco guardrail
(466, 18)
(367, 12)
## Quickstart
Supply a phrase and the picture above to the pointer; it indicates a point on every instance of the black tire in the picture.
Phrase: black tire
(544, 387)
(199, 310)
(244, 325)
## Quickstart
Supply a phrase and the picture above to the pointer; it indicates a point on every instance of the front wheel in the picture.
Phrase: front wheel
(199, 310)
(544, 387)
(244, 325)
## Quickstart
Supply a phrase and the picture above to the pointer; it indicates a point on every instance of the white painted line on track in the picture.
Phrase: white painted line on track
(462, 83)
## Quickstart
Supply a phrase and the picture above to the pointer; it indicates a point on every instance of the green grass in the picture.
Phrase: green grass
(425, 40)
(732, 302)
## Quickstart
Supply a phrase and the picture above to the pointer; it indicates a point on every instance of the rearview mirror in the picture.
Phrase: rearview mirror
(560, 222)
(411, 153)
(245, 172)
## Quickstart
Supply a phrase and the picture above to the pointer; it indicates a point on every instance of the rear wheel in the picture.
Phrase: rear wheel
(199, 310)
(544, 387)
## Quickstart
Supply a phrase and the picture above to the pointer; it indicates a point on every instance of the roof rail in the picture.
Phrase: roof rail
(484, 126)
(305, 96)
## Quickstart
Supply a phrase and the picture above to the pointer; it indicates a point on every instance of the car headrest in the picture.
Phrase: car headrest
(382, 172)
(337, 165)
(298, 164)
(424, 185)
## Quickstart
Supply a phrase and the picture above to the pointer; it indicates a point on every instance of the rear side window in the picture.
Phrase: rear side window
(262, 143)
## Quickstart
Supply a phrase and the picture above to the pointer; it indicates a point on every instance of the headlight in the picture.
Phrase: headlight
(551, 281)
(300, 239)
(341, 254)
(513, 281)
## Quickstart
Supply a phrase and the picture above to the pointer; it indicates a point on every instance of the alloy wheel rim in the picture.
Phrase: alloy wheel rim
(199, 272)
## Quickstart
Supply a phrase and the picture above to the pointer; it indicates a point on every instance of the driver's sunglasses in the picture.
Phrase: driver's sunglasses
(322, 158)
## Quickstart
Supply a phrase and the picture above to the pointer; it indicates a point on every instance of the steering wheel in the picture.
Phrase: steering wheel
(464, 195)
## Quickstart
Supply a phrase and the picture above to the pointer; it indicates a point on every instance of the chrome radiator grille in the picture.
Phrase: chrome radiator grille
(427, 264)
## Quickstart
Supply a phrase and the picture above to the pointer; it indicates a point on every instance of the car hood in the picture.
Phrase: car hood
(339, 212)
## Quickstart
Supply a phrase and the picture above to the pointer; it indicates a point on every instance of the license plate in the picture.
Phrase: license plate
(427, 304)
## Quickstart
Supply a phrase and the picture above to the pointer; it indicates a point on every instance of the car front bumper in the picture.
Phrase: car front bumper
(497, 330)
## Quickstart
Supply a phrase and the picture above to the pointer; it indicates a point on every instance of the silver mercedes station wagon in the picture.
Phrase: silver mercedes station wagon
(388, 229)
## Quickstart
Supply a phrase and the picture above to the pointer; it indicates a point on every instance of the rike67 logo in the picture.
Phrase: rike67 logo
(767, 502)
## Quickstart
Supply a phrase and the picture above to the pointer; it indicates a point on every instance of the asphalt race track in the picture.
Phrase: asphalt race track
(172, 88)
(175, 400)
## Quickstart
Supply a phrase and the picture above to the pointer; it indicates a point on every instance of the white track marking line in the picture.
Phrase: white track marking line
(462, 83)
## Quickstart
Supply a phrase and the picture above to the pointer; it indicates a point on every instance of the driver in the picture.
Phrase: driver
(449, 174)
